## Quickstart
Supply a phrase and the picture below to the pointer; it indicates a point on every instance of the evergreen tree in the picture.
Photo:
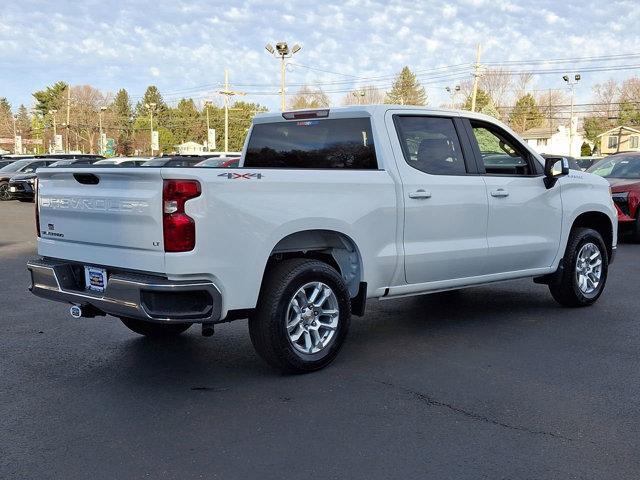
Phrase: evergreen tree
(122, 114)
(525, 114)
(151, 95)
(51, 98)
(23, 121)
(186, 122)
(629, 113)
(406, 90)
(483, 100)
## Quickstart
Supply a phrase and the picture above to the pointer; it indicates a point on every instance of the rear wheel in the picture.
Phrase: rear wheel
(153, 329)
(26, 200)
(302, 317)
(4, 191)
(582, 280)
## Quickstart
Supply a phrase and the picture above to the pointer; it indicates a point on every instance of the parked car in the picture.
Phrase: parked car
(622, 170)
(329, 208)
(220, 162)
(587, 162)
(573, 164)
(123, 161)
(174, 161)
(22, 186)
(24, 165)
(6, 161)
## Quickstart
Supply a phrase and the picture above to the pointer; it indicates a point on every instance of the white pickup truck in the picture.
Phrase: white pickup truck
(328, 208)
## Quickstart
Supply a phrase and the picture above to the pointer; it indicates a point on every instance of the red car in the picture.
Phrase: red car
(622, 170)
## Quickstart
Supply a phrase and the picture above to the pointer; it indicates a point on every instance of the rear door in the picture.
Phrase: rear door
(105, 216)
(445, 202)
(525, 218)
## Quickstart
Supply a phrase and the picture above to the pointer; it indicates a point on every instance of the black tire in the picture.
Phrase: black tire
(4, 192)
(565, 289)
(153, 329)
(268, 325)
(635, 229)
(26, 200)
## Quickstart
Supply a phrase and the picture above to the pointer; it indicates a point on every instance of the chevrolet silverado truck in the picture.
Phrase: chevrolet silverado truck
(329, 208)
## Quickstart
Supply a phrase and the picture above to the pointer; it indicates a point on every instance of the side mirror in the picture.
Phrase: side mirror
(554, 168)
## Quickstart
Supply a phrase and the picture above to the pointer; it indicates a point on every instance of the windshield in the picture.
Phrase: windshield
(627, 166)
(16, 166)
(159, 162)
(61, 163)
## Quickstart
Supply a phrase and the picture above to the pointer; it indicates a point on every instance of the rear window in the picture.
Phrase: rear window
(336, 143)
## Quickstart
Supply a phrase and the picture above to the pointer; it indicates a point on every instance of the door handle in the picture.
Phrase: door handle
(500, 192)
(420, 194)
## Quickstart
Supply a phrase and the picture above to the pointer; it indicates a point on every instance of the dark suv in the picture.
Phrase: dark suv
(22, 185)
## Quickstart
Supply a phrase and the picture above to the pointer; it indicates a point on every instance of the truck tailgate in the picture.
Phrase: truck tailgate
(102, 216)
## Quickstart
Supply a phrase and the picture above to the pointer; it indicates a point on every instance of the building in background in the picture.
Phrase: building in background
(619, 139)
(555, 140)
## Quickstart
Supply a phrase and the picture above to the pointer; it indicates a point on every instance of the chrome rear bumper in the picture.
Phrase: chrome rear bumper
(128, 294)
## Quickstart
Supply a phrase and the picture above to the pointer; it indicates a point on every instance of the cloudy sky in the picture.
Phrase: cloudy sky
(184, 46)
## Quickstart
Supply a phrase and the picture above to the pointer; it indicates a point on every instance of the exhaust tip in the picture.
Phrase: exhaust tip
(76, 311)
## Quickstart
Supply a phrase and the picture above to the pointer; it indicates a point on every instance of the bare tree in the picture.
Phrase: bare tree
(551, 104)
(308, 97)
(606, 99)
(522, 84)
(86, 103)
(367, 95)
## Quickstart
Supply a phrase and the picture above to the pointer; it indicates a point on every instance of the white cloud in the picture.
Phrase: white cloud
(154, 71)
(449, 11)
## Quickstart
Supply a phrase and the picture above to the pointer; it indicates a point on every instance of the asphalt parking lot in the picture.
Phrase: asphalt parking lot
(493, 382)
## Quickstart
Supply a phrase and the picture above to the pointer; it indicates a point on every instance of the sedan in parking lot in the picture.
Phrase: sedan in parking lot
(622, 170)
(220, 162)
(25, 165)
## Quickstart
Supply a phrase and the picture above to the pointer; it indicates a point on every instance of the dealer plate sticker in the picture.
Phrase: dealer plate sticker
(95, 278)
(12, 189)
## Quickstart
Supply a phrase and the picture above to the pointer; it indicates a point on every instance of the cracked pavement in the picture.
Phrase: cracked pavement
(494, 382)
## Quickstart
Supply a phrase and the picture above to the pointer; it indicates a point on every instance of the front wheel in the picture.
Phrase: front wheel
(584, 275)
(4, 191)
(302, 316)
(153, 329)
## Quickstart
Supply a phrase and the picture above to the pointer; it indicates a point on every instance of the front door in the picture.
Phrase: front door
(525, 218)
(445, 205)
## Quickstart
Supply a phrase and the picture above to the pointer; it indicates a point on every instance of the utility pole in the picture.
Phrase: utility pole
(227, 92)
(282, 51)
(476, 76)
(68, 114)
(151, 107)
(572, 83)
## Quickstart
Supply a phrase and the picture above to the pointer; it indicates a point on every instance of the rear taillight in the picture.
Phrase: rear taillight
(37, 203)
(178, 227)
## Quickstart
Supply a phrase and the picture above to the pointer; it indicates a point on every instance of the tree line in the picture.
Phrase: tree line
(75, 111)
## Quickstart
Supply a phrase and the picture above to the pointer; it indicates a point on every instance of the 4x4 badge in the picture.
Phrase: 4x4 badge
(241, 176)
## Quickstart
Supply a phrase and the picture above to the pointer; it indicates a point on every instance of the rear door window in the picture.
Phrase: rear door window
(431, 144)
(323, 144)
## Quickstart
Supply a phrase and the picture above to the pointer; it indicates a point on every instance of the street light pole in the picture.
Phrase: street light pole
(206, 106)
(572, 83)
(452, 92)
(15, 135)
(100, 142)
(282, 50)
(151, 107)
(55, 130)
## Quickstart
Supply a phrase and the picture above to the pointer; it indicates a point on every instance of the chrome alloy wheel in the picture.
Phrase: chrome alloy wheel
(312, 317)
(589, 268)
